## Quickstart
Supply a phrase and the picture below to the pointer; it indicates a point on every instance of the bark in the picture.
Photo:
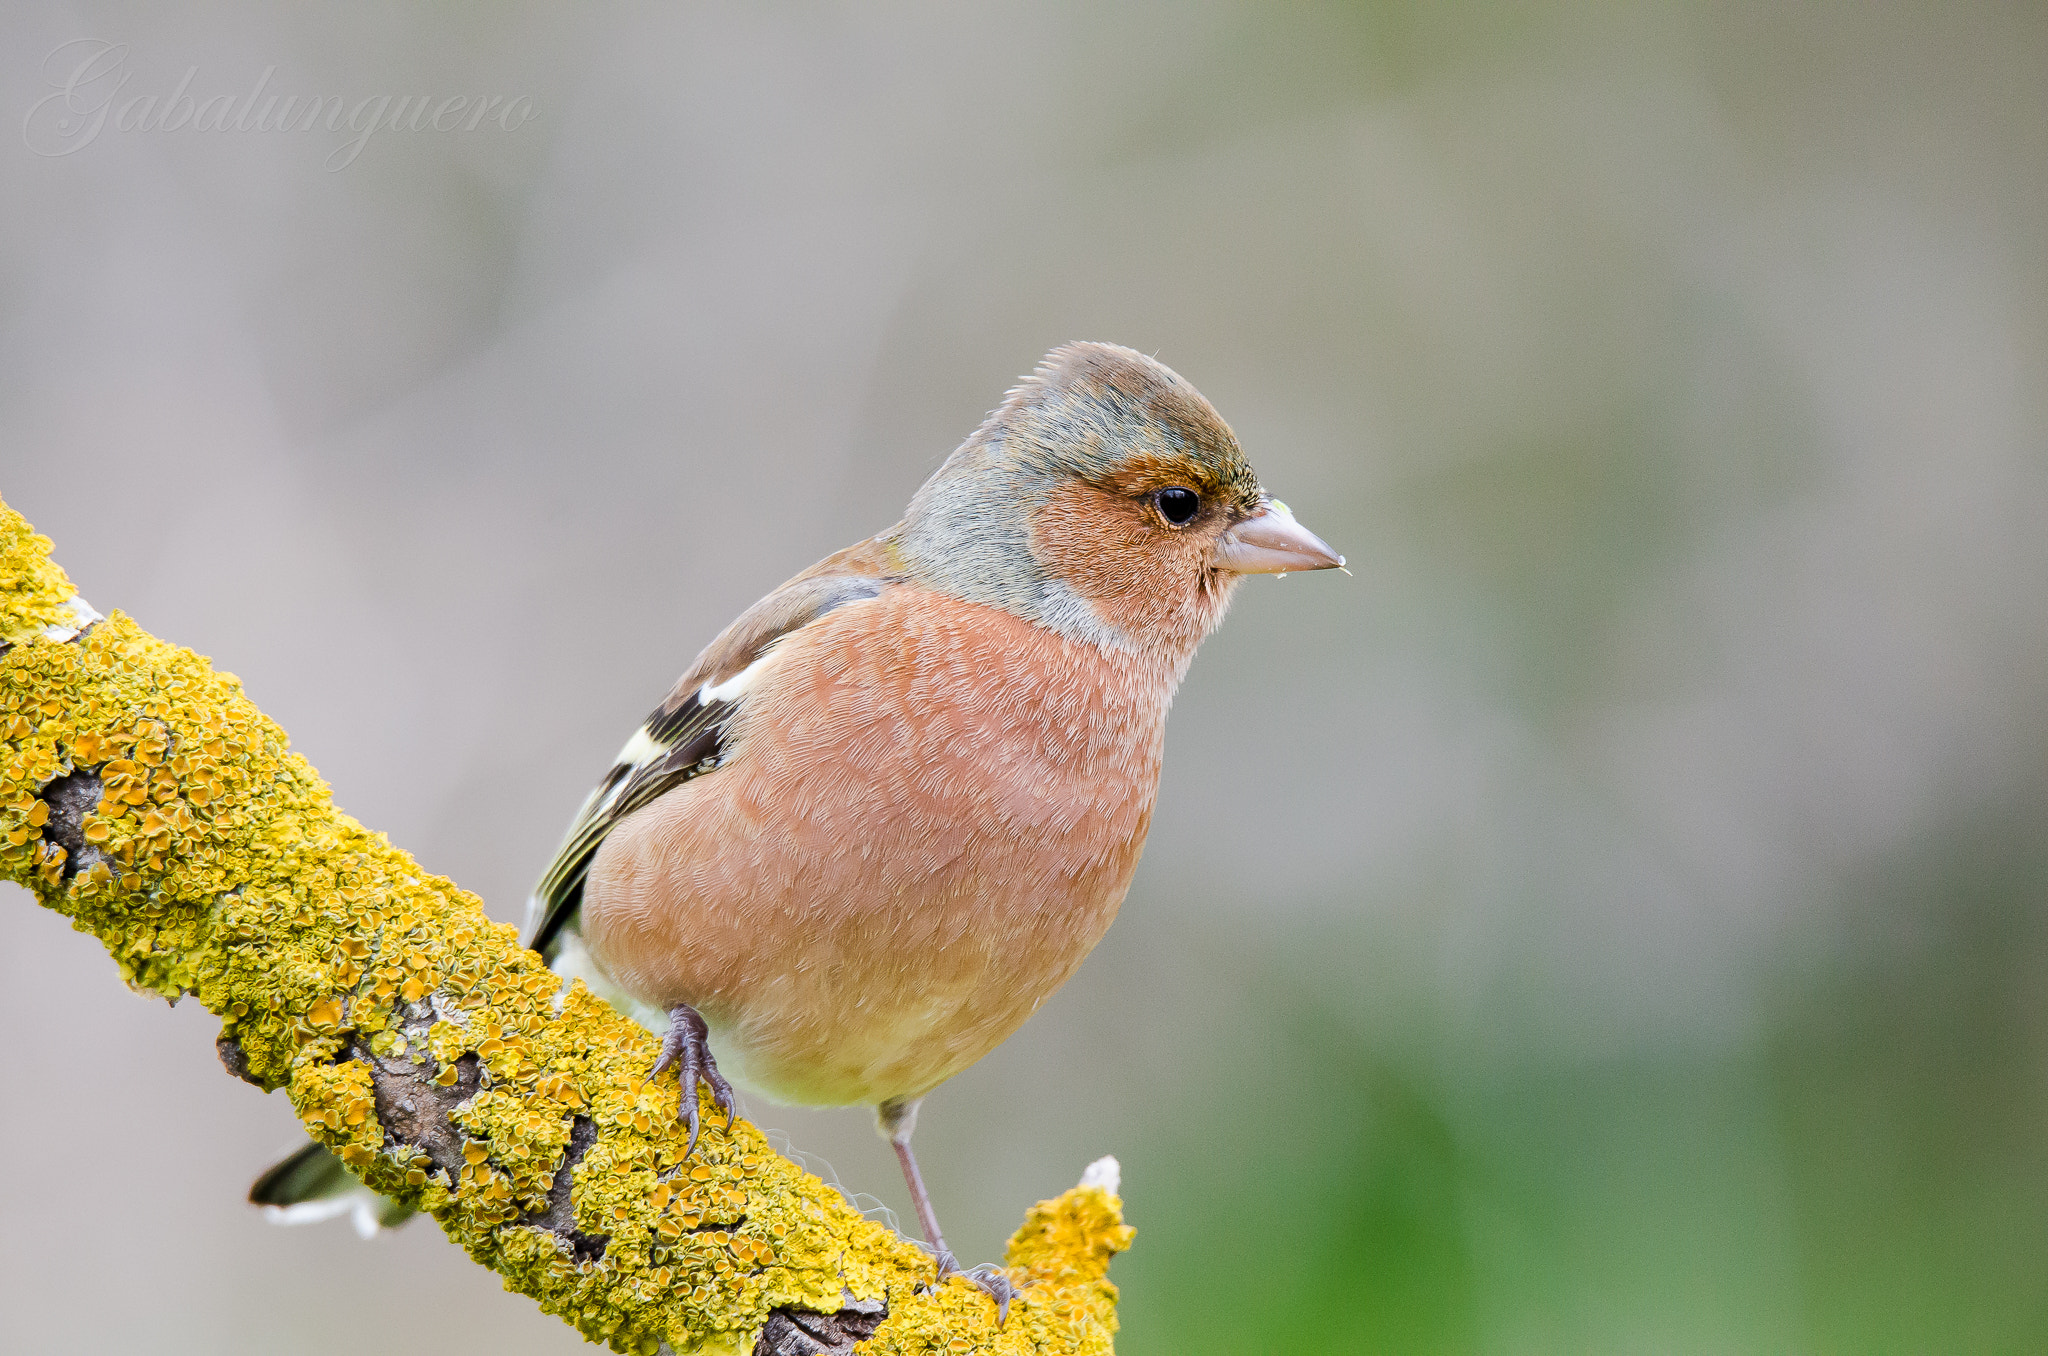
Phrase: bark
(145, 797)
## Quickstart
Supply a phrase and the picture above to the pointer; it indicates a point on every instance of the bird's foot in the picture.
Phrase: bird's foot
(687, 1048)
(992, 1279)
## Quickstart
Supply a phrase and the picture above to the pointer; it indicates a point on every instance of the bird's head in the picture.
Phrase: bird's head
(1107, 500)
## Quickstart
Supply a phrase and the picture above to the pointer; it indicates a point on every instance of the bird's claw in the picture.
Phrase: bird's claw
(992, 1279)
(687, 1049)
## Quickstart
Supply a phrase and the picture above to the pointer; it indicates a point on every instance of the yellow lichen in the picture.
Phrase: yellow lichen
(34, 593)
(215, 864)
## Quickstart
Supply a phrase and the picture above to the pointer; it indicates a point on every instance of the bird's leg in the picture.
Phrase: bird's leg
(897, 1119)
(686, 1046)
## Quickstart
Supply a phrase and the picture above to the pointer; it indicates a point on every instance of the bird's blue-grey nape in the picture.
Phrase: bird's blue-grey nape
(1087, 412)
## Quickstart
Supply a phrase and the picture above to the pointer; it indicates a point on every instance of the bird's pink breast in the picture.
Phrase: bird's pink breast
(929, 816)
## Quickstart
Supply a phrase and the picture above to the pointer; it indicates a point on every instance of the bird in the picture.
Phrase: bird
(892, 807)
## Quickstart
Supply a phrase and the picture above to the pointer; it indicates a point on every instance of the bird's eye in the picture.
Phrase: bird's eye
(1177, 505)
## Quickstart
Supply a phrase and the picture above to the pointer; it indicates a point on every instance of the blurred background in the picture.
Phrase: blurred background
(1615, 919)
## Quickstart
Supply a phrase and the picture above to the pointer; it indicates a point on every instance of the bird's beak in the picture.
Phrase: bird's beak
(1273, 543)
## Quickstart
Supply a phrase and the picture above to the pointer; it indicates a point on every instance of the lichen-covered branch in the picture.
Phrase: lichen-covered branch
(146, 798)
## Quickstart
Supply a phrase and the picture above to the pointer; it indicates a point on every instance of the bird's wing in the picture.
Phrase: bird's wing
(686, 735)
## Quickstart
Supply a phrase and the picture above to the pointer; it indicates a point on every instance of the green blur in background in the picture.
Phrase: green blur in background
(1615, 919)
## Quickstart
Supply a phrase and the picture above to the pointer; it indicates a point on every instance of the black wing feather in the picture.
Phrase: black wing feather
(693, 735)
(683, 739)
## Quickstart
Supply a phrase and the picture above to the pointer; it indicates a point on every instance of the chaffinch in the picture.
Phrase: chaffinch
(894, 805)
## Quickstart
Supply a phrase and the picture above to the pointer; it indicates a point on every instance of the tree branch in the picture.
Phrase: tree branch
(146, 798)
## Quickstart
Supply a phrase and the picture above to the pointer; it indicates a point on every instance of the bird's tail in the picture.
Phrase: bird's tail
(312, 1185)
